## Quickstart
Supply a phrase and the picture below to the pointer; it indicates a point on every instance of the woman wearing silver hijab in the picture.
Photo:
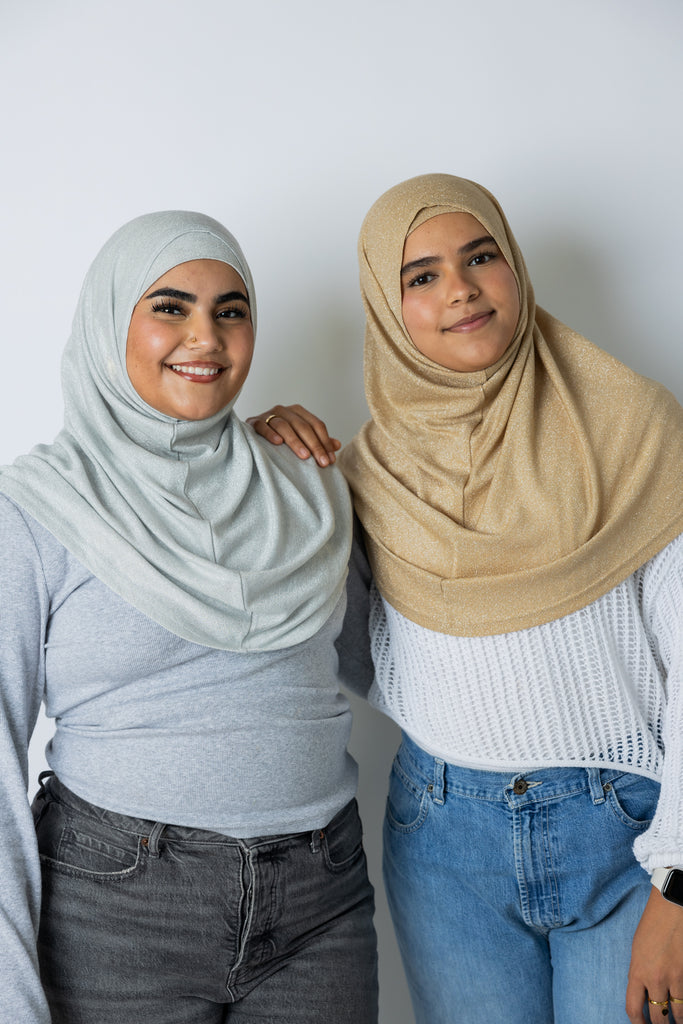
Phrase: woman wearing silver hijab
(172, 589)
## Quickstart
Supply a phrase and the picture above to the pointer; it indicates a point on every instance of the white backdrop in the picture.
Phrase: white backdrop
(286, 121)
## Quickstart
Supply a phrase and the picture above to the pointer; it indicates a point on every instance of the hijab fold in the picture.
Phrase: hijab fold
(503, 498)
(201, 525)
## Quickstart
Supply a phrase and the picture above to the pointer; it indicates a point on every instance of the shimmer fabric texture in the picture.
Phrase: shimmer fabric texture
(215, 535)
(504, 498)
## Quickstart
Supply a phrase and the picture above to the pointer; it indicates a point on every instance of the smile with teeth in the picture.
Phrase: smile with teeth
(196, 371)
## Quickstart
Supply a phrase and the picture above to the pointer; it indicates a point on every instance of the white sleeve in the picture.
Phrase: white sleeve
(23, 619)
(662, 844)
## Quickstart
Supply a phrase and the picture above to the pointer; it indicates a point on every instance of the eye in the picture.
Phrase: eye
(419, 279)
(171, 306)
(482, 258)
(233, 313)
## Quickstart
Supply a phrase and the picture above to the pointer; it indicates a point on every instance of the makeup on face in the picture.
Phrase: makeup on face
(460, 301)
(191, 340)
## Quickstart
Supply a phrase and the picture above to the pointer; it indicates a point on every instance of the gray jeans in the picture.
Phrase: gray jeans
(169, 925)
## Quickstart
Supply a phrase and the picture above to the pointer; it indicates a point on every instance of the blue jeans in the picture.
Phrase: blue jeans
(143, 921)
(515, 897)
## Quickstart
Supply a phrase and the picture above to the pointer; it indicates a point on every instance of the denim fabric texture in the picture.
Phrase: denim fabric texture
(169, 925)
(515, 896)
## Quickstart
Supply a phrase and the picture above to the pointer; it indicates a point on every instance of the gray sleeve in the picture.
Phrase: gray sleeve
(356, 669)
(23, 619)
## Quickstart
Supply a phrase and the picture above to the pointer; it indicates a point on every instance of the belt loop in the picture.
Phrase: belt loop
(595, 785)
(438, 784)
(41, 781)
(153, 839)
(317, 836)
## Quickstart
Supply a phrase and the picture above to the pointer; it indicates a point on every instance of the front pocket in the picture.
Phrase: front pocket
(633, 800)
(75, 845)
(342, 842)
(407, 802)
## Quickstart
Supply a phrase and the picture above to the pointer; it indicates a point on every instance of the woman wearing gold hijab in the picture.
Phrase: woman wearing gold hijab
(519, 492)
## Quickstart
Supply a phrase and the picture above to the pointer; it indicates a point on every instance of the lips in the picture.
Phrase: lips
(471, 323)
(198, 373)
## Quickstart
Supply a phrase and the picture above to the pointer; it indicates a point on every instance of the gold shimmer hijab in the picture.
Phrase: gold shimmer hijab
(504, 498)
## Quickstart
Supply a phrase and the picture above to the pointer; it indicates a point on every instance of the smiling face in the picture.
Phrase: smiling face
(191, 340)
(460, 301)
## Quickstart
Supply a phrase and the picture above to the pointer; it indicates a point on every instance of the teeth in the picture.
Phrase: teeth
(196, 371)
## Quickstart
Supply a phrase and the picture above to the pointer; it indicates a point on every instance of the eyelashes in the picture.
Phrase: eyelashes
(166, 306)
(486, 257)
(232, 312)
(174, 308)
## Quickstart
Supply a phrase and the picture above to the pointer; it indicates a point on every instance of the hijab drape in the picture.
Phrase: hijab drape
(215, 535)
(505, 498)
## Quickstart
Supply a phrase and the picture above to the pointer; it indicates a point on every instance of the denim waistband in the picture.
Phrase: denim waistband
(518, 787)
(51, 788)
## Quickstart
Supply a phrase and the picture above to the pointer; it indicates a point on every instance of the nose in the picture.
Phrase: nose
(204, 336)
(461, 287)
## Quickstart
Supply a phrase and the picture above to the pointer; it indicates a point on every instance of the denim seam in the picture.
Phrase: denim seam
(552, 879)
(247, 901)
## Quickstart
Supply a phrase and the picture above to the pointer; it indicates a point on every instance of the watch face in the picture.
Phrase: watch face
(673, 887)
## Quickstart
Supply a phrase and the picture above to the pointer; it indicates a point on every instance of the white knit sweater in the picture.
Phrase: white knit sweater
(601, 687)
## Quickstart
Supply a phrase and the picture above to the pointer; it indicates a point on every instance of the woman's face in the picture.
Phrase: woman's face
(191, 340)
(460, 301)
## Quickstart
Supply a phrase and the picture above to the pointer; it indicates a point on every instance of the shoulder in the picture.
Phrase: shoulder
(30, 551)
(305, 473)
(599, 370)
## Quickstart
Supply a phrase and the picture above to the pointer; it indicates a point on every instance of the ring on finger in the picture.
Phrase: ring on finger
(271, 417)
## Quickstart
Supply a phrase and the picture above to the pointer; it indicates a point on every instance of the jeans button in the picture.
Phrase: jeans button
(520, 786)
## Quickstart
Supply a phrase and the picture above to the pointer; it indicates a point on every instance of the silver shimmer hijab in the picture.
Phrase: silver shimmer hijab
(202, 526)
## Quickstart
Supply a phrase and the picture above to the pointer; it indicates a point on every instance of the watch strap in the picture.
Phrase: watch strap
(659, 877)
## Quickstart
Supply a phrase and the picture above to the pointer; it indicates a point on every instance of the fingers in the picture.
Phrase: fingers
(659, 1009)
(636, 1000)
(656, 970)
(676, 1008)
(300, 430)
(664, 1009)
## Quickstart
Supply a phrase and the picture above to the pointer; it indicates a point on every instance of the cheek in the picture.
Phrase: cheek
(145, 351)
(510, 296)
(246, 356)
(415, 314)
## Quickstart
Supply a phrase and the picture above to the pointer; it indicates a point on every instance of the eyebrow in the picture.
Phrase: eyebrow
(176, 293)
(429, 261)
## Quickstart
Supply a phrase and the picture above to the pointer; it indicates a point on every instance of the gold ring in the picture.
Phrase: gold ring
(672, 999)
(271, 417)
(658, 1002)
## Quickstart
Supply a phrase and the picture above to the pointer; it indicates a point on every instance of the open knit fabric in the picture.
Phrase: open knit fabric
(601, 687)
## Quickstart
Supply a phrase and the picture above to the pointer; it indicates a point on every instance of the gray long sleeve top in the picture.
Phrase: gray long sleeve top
(147, 724)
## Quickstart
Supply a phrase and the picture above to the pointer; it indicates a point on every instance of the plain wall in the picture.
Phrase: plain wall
(286, 121)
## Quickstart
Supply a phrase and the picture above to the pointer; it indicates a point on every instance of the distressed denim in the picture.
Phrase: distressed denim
(143, 921)
(515, 896)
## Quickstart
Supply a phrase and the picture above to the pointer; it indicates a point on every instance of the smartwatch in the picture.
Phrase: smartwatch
(669, 881)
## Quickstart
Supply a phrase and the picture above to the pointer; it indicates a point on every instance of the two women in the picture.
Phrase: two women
(172, 590)
(519, 492)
